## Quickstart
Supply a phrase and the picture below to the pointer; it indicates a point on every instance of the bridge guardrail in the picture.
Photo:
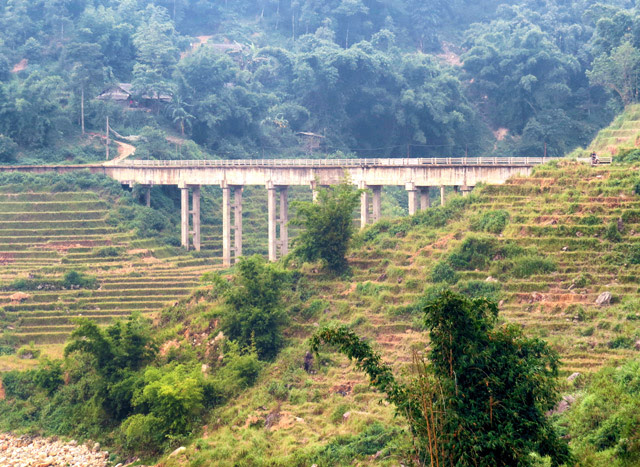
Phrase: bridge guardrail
(400, 162)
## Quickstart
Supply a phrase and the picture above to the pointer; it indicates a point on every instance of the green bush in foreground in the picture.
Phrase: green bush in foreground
(481, 397)
(254, 314)
(604, 422)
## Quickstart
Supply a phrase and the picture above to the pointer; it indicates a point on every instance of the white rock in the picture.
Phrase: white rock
(178, 451)
(604, 299)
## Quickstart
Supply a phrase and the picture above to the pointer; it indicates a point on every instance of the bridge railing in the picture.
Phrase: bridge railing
(405, 162)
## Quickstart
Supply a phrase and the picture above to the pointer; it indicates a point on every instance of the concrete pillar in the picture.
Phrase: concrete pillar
(377, 203)
(314, 191)
(147, 196)
(442, 197)
(226, 227)
(184, 216)
(425, 202)
(271, 207)
(413, 198)
(364, 205)
(237, 221)
(466, 190)
(284, 219)
(195, 213)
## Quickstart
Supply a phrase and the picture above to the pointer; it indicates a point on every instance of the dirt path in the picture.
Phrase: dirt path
(124, 150)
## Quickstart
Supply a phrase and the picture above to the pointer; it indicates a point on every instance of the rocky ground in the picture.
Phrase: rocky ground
(29, 451)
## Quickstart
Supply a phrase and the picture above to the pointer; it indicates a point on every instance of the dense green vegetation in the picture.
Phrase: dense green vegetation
(480, 396)
(366, 78)
(238, 79)
(327, 226)
(118, 387)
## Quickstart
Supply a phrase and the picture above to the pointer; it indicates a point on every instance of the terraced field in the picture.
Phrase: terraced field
(564, 214)
(45, 235)
(623, 133)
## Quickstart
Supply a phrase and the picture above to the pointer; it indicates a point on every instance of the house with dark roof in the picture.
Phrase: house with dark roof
(122, 93)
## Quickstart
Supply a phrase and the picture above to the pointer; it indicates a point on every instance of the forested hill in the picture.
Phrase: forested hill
(364, 77)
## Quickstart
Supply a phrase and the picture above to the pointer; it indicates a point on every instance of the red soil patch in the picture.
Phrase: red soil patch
(20, 66)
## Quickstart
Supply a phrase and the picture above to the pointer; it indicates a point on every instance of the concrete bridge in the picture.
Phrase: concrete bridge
(276, 175)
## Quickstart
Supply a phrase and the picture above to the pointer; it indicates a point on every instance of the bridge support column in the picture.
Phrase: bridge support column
(184, 215)
(425, 202)
(284, 220)
(237, 221)
(377, 203)
(314, 191)
(226, 226)
(413, 197)
(364, 204)
(147, 196)
(226, 223)
(442, 195)
(195, 216)
(466, 190)
(271, 208)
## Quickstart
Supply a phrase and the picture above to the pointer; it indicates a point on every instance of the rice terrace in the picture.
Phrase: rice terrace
(319, 234)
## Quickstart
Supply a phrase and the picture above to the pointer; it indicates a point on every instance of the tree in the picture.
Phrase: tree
(328, 226)
(618, 71)
(118, 352)
(87, 71)
(254, 315)
(157, 55)
(481, 397)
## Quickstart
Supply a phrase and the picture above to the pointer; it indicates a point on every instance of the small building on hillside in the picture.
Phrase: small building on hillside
(311, 142)
(122, 94)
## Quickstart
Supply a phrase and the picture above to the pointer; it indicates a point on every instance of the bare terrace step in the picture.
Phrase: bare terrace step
(53, 215)
(54, 315)
(49, 206)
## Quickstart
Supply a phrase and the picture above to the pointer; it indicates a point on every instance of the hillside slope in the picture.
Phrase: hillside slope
(573, 233)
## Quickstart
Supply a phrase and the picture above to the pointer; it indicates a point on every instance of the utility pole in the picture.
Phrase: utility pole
(82, 108)
(107, 137)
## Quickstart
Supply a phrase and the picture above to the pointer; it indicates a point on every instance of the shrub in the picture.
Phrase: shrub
(254, 314)
(443, 272)
(590, 220)
(28, 352)
(621, 342)
(107, 252)
(173, 396)
(473, 253)
(490, 221)
(478, 289)
(634, 254)
(604, 421)
(526, 266)
(328, 226)
(613, 233)
(76, 279)
(142, 434)
(342, 450)
(368, 289)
